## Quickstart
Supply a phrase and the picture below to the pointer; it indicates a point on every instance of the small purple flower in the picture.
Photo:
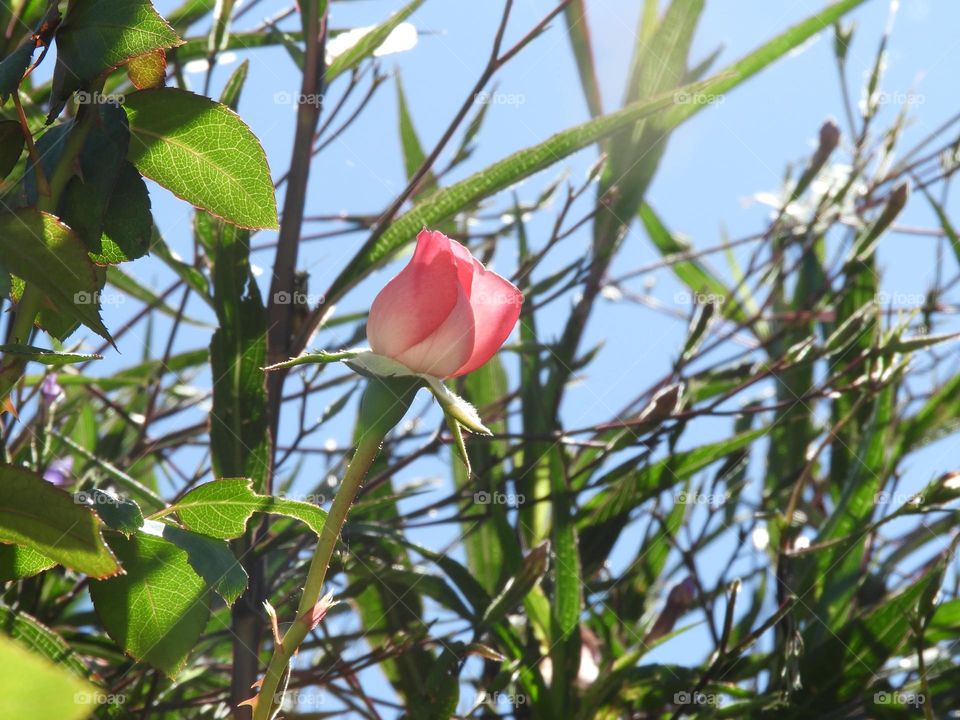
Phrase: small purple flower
(59, 472)
(50, 390)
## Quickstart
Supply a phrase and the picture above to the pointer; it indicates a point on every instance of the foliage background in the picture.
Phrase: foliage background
(729, 152)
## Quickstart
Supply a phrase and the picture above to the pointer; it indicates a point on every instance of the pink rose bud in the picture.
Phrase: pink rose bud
(445, 314)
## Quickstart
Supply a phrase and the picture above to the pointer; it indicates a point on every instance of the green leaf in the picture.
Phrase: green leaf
(60, 326)
(50, 147)
(230, 96)
(369, 42)
(41, 250)
(190, 12)
(239, 426)
(100, 35)
(441, 693)
(195, 47)
(118, 513)
(30, 632)
(837, 570)
(128, 223)
(157, 610)
(202, 152)
(934, 419)
(87, 196)
(659, 65)
(845, 663)
(578, 30)
(11, 146)
(19, 561)
(12, 68)
(210, 558)
(491, 546)
(220, 28)
(456, 407)
(948, 229)
(321, 356)
(39, 689)
(693, 273)
(148, 70)
(753, 62)
(459, 446)
(221, 508)
(567, 598)
(945, 622)
(448, 201)
(413, 154)
(46, 357)
(532, 570)
(606, 514)
(40, 516)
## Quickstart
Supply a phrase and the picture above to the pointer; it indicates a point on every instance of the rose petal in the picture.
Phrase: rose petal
(447, 348)
(415, 303)
(495, 302)
(466, 265)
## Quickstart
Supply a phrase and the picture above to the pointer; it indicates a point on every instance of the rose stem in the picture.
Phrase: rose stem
(383, 404)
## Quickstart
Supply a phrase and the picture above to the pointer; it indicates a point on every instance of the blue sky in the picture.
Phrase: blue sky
(714, 164)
